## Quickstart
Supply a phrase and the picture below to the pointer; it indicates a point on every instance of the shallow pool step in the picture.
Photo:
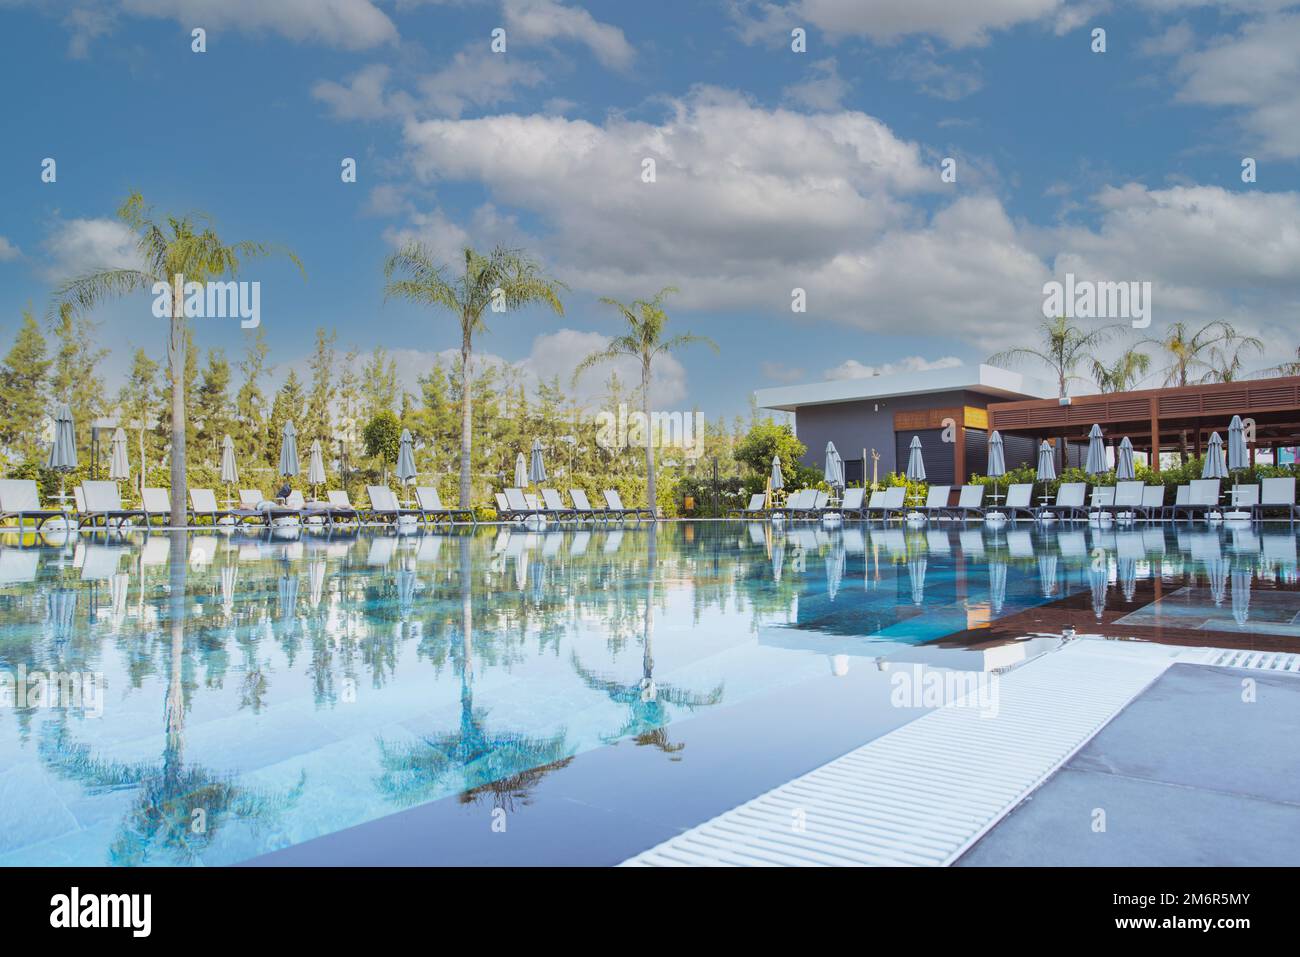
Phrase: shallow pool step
(924, 793)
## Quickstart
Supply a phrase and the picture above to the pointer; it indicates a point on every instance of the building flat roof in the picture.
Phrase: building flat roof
(986, 379)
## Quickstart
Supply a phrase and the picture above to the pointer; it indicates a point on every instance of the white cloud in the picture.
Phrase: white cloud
(349, 24)
(79, 246)
(853, 369)
(1258, 72)
(824, 89)
(8, 250)
(886, 21)
(544, 20)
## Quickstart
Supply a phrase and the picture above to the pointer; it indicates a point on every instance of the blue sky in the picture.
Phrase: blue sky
(775, 169)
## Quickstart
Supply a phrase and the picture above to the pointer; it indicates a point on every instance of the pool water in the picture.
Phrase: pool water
(258, 692)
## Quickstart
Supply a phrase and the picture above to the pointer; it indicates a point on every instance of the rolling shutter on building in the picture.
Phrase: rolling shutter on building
(977, 454)
(936, 453)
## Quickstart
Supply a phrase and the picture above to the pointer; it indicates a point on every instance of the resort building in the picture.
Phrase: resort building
(872, 420)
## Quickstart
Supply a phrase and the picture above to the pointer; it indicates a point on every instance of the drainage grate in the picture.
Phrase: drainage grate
(1262, 660)
(925, 792)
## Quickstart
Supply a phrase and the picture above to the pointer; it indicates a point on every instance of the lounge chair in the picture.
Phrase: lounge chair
(1153, 502)
(1244, 498)
(851, 504)
(1202, 497)
(797, 501)
(104, 503)
(503, 507)
(1127, 500)
(894, 502)
(20, 499)
(1277, 493)
(341, 508)
(813, 504)
(309, 510)
(874, 505)
(1103, 497)
(268, 511)
(582, 507)
(431, 508)
(554, 505)
(384, 505)
(1068, 502)
(969, 502)
(203, 504)
(756, 507)
(936, 501)
(614, 506)
(519, 506)
(157, 503)
(1019, 499)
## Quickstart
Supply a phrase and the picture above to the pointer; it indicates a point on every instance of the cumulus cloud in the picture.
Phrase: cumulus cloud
(824, 89)
(349, 24)
(8, 250)
(853, 369)
(539, 21)
(78, 246)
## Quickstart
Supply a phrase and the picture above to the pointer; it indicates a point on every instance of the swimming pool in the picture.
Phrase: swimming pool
(242, 694)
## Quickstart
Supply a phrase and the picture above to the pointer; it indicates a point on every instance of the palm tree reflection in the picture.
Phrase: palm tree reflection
(647, 721)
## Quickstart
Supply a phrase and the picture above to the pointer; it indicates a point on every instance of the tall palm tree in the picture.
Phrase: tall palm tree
(1063, 349)
(1123, 374)
(168, 249)
(504, 276)
(1211, 354)
(643, 341)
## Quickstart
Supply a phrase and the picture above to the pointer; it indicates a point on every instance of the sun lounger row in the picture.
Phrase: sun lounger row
(514, 505)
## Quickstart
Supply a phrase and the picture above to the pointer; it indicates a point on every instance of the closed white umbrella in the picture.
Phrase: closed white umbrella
(1096, 462)
(1124, 468)
(834, 470)
(316, 467)
(1046, 464)
(289, 451)
(915, 464)
(997, 466)
(1098, 581)
(1047, 575)
(229, 469)
(536, 467)
(997, 586)
(835, 562)
(119, 468)
(521, 471)
(1238, 457)
(916, 572)
(406, 458)
(1214, 466)
(1241, 595)
(778, 480)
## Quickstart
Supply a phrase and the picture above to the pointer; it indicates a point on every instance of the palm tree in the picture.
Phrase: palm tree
(1123, 374)
(1288, 368)
(1211, 354)
(1064, 347)
(643, 341)
(505, 278)
(187, 247)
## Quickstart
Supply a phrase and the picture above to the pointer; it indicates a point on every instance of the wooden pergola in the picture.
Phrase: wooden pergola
(1171, 419)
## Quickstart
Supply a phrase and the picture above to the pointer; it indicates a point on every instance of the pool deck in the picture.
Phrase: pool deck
(1188, 774)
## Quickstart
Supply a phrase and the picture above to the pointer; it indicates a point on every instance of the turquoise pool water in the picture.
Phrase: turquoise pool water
(253, 693)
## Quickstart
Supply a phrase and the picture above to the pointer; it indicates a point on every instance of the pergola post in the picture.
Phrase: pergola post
(1155, 434)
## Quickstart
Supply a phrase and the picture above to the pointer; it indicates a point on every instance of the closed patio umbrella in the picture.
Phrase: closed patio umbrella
(1124, 470)
(521, 471)
(1098, 581)
(1126, 573)
(1047, 575)
(778, 480)
(1216, 576)
(997, 466)
(316, 581)
(834, 471)
(119, 468)
(1241, 595)
(1238, 457)
(316, 467)
(536, 467)
(835, 562)
(916, 573)
(289, 451)
(229, 470)
(1096, 463)
(997, 586)
(915, 464)
(1046, 464)
(405, 458)
(63, 451)
(1214, 466)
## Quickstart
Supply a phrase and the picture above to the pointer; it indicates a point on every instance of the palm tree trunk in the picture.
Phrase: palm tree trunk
(176, 353)
(651, 500)
(466, 436)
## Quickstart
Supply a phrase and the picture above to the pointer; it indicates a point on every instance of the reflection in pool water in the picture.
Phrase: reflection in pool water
(264, 691)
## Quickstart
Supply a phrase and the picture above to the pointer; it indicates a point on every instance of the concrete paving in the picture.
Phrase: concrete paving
(1188, 774)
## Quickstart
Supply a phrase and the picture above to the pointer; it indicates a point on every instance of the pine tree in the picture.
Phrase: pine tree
(378, 384)
(22, 392)
(349, 403)
(72, 376)
(289, 406)
(317, 423)
(212, 407)
(250, 403)
(135, 402)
